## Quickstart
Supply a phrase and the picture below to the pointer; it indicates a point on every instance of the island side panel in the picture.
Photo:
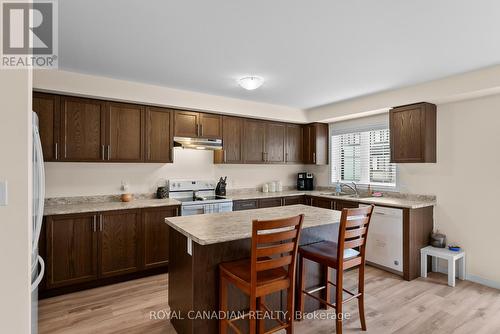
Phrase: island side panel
(180, 281)
(417, 229)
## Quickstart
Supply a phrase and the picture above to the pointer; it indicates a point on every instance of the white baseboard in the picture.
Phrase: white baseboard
(473, 278)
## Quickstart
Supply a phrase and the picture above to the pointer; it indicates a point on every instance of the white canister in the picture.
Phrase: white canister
(265, 188)
(272, 187)
(279, 186)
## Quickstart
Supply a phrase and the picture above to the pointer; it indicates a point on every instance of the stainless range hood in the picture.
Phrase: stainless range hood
(198, 143)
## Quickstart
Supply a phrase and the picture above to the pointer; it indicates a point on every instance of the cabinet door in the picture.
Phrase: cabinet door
(275, 143)
(186, 124)
(406, 136)
(413, 133)
(210, 126)
(292, 200)
(159, 128)
(309, 144)
(47, 107)
(82, 129)
(324, 203)
(245, 204)
(125, 136)
(232, 131)
(253, 141)
(71, 249)
(155, 236)
(270, 202)
(294, 152)
(119, 242)
(340, 205)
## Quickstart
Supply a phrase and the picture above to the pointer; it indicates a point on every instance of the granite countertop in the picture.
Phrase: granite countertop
(402, 201)
(105, 205)
(228, 226)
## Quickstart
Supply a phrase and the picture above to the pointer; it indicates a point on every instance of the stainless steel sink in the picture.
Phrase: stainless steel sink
(341, 195)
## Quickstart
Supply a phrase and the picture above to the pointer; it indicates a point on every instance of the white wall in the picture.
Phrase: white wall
(127, 91)
(15, 219)
(465, 180)
(82, 179)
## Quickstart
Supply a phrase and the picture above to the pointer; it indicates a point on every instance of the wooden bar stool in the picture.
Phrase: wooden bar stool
(341, 256)
(274, 247)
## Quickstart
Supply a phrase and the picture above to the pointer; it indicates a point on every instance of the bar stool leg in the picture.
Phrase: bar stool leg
(223, 304)
(338, 302)
(326, 279)
(289, 315)
(302, 284)
(253, 309)
(361, 299)
(262, 322)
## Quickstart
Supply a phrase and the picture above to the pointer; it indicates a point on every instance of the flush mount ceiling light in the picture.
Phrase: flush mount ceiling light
(250, 82)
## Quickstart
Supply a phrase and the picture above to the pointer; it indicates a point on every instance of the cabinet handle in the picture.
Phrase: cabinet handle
(286, 157)
(109, 152)
(95, 223)
(201, 130)
(314, 157)
(100, 223)
(102, 152)
(197, 129)
(225, 157)
(56, 153)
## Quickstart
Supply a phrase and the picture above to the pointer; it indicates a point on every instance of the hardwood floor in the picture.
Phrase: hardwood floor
(392, 306)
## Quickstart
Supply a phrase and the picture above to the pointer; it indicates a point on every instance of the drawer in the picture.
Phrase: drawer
(245, 205)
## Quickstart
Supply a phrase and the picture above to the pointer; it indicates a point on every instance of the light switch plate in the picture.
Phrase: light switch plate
(3, 193)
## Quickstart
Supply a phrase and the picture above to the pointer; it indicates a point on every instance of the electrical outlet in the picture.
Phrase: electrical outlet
(3, 193)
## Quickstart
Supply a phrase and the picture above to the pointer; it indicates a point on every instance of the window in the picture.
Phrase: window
(363, 157)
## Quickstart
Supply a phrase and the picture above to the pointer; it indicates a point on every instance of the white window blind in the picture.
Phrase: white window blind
(362, 156)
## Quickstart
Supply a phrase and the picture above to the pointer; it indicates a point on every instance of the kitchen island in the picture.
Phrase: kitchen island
(199, 243)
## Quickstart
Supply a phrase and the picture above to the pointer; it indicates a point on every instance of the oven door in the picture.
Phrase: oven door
(189, 210)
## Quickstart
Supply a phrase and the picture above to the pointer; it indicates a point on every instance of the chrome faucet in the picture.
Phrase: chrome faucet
(354, 188)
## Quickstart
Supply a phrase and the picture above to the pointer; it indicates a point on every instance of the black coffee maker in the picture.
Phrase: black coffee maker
(305, 181)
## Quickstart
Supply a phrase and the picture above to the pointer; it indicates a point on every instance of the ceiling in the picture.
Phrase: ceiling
(309, 52)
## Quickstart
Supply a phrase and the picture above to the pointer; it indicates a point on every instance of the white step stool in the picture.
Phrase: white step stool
(446, 254)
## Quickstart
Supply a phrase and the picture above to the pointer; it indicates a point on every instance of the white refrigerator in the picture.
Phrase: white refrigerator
(37, 264)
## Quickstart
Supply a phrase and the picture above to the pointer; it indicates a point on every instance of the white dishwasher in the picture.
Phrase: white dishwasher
(385, 238)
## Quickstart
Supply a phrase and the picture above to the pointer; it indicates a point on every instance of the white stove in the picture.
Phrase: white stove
(198, 197)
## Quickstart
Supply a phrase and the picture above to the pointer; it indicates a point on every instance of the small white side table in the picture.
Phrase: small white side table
(446, 254)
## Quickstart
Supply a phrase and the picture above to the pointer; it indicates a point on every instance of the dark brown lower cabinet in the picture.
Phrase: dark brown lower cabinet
(245, 204)
(270, 202)
(92, 249)
(321, 202)
(292, 200)
(339, 205)
(71, 249)
(155, 236)
(119, 242)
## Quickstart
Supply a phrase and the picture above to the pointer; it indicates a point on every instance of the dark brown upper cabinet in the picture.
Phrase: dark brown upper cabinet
(275, 142)
(196, 124)
(294, 143)
(210, 126)
(232, 132)
(124, 132)
(254, 134)
(413, 133)
(82, 129)
(47, 107)
(159, 130)
(316, 144)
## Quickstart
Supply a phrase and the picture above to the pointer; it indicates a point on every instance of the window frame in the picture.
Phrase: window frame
(361, 185)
